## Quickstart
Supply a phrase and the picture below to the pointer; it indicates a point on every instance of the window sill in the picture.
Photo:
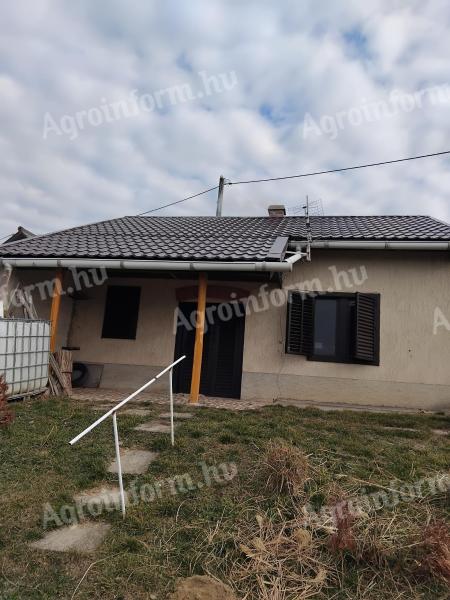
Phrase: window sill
(328, 359)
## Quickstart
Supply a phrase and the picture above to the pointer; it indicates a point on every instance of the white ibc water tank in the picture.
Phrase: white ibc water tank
(24, 353)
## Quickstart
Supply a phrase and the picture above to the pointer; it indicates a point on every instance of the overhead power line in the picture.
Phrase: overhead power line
(6, 236)
(311, 174)
(178, 201)
(376, 164)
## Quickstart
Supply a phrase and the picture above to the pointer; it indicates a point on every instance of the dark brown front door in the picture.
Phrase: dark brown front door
(223, 346)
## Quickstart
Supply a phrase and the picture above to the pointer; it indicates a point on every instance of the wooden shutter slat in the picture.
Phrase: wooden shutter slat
(299, 327)
(367, 328)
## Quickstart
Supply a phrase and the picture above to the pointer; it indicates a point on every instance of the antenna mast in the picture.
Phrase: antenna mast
(308, 231)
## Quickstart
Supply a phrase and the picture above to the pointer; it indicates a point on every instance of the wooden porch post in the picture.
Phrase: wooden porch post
(54, 312)
(199, 331)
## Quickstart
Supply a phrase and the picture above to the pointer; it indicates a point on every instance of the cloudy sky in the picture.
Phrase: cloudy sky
(116, 107)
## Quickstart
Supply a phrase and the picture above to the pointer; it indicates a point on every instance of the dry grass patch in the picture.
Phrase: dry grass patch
(291, 553)
(434, 551)
(280, 559)
(390, 553)
(286, 468)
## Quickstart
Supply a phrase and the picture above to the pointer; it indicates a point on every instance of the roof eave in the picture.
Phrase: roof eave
(374, 244)
(150, 265)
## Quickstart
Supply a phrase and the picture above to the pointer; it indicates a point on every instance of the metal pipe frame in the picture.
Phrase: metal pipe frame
(113, 413)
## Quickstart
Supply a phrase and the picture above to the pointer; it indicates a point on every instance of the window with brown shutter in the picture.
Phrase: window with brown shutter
(299, 331)
(334, 327)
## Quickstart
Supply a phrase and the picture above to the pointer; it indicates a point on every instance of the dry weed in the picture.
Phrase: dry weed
(434, 551)
(286, 468)
(6, 416)
(281, 560)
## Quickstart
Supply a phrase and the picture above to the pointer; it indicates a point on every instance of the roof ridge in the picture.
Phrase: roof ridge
(352, 216)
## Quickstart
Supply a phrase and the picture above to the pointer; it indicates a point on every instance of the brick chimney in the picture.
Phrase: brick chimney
(277, 210)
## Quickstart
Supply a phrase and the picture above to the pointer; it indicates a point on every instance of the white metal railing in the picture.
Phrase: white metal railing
(113, 413)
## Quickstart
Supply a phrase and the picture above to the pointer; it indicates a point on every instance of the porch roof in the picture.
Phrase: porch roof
(218, 238)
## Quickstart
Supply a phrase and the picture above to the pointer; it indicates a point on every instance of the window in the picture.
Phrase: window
(325, 322)
(334, 327)
(121, 312)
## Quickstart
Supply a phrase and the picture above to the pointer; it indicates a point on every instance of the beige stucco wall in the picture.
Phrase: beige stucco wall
(411, 285)
(414, 362)
(154, 343)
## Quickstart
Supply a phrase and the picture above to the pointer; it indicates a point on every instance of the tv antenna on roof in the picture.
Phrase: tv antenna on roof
(315, 208)
(308, 230)
(311, 208)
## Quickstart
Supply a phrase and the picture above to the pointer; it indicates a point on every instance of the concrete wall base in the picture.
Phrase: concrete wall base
(346, 391)
(132, 377)
(305, 388)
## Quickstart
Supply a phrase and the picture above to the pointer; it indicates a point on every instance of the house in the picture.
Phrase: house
(351, 309)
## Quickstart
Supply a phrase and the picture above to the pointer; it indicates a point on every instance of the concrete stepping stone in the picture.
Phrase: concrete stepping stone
(139, 412)
(99, 498)
(134, 462)
(85, 537)
(154, 427)
(177, 415)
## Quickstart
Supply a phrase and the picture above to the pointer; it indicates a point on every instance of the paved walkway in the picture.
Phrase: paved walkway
(109, 397)
(104, 396)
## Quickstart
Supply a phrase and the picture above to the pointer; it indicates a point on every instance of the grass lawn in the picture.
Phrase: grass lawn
(214, 528)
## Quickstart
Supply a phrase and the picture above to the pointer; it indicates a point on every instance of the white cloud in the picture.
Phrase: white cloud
(290, 59)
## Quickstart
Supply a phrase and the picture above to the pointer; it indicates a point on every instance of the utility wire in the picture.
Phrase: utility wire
(227, 182)
(178, 201)
(377, 164)
(6, 236)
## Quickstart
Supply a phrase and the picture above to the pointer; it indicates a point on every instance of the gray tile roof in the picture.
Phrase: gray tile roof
(212, 238)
